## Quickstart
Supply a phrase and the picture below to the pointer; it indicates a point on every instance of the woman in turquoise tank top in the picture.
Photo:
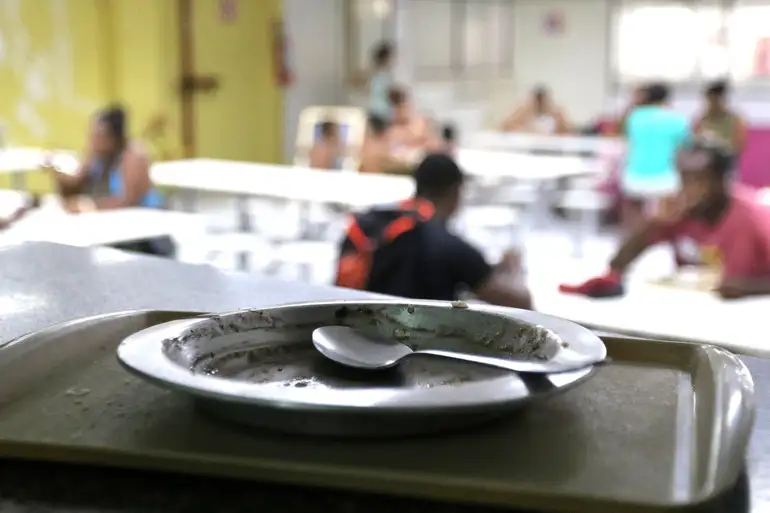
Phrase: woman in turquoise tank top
(114, 173)
(654, 133)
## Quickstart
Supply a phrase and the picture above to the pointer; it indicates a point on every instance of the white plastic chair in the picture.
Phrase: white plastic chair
(11, 200)
(352, 119)
(585, 206)
(490, 227)
(307, 259)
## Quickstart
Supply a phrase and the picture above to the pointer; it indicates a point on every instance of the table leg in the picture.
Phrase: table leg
(244, 226)
(542, 205)
(19, 181)
(588, 224)
(305, 226)
(188, 200)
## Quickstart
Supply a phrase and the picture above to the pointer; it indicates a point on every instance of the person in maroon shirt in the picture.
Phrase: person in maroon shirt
(715, 218)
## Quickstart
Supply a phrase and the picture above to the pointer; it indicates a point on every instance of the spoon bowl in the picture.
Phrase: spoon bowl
(352, 348)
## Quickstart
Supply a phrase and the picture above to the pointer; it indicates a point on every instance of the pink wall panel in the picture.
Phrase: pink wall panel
(755, 162)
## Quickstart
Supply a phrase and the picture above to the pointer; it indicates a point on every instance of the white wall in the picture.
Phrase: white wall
(577, 65)
(316, 29)
(573, 63)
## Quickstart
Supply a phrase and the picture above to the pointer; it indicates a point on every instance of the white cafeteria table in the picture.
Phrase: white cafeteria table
(19, 161)
(655, 311)
(298, 185)
(101, 228)
(502, 165)
(539, 174)
(566, 144)
(290, 183)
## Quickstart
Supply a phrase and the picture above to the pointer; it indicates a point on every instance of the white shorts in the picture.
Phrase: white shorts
(645, 187)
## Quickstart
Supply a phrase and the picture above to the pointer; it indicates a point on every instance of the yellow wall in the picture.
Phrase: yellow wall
(145, 42)
(53, 70)
(243, 118)
(60, 60)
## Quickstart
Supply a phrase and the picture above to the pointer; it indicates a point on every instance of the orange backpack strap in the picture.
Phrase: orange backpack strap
(355, 258)
(370, 231)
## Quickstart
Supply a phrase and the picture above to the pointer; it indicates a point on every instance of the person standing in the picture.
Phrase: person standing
(654, 133)
(718, 124)
(381, 81)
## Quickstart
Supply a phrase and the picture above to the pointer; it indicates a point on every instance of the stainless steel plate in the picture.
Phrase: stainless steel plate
(260, 367)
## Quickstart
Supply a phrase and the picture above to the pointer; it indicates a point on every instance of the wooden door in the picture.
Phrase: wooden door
(232, 106)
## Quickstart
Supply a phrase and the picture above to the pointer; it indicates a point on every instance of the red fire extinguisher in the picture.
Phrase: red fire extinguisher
(282, 68)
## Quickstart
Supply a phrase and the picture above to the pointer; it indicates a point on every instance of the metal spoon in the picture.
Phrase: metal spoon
(348, 347)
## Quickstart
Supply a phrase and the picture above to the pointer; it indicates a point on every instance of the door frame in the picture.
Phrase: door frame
(185, 19)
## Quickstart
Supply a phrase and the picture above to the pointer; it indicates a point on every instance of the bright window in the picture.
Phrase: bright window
(749, 42)
(692, 42)
(656, 42)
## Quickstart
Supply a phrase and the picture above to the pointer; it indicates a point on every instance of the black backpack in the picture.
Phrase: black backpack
(383, 249)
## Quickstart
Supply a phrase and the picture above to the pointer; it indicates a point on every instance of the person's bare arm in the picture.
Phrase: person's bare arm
(516, 120)
(660, 227)
(506, 285)
(633, 247)
(420, 132)
(697, 126)
(623, 121)
(740, 135)
(736, 288)
(498, 291)
(136, 181)
(70, 183)
(318, 157)
(562, 124)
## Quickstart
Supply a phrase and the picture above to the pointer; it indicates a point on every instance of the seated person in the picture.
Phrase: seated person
(326, 153)
(417, 256)
(719, 123)
(709, 214)
(409, 132)
(114, 171)
(538, 115)
(449, 140)
(375, 153)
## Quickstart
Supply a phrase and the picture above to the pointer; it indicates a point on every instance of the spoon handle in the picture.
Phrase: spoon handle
(535, 367)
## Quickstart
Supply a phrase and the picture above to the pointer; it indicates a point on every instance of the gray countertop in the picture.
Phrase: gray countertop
(44, 284)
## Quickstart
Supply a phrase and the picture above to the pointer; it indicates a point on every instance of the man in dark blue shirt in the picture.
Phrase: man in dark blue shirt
(427, 261)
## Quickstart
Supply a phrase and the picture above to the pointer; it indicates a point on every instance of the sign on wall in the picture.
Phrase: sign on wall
(228, 11)
(554, 23)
